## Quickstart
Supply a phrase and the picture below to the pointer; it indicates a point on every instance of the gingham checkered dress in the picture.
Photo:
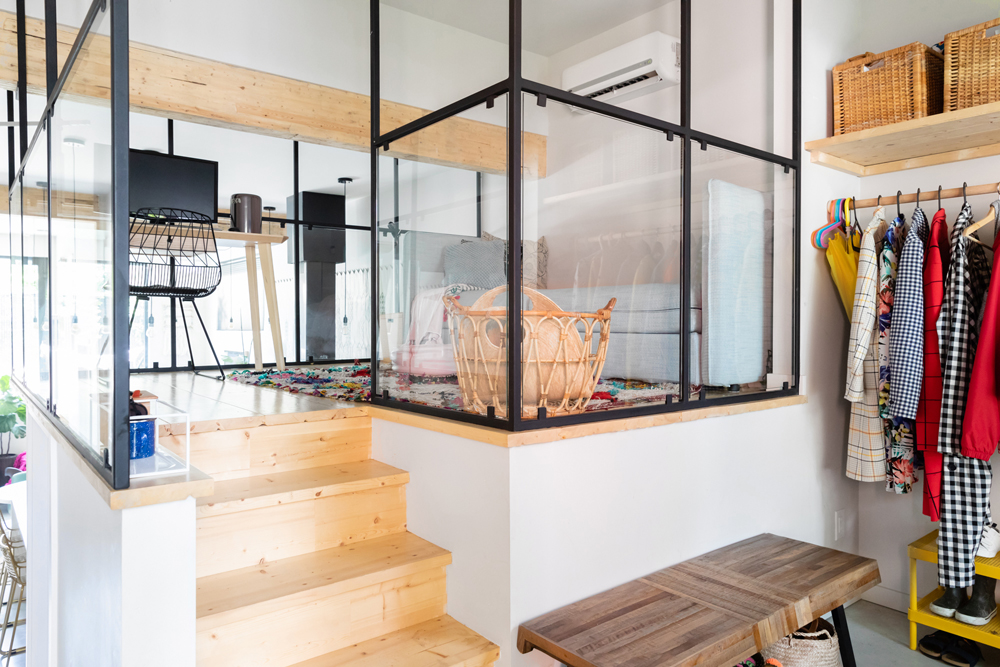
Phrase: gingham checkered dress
(866, 439)
(906, 338)
(965, 482)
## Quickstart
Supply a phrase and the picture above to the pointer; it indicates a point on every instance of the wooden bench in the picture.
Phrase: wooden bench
(713, 610)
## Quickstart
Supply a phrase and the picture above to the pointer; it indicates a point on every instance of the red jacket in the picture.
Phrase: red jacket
(935, 267)
(929, 408)
(981, 426)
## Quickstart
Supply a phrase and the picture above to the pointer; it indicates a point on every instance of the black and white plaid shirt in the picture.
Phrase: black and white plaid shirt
(967, 280)
(906, 337)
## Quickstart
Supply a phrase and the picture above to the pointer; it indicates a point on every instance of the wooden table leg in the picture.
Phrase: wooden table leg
(271, 294)
(844, 637)
(258, 360)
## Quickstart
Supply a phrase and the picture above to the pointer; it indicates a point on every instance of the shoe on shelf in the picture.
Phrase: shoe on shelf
(982, 606)
(952, 599)
(990, 543)
(963, 653)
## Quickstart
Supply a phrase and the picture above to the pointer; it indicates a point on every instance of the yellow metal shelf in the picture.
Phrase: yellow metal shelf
(925, 549)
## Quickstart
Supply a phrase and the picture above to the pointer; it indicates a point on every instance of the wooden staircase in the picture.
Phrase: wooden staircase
(304, 558)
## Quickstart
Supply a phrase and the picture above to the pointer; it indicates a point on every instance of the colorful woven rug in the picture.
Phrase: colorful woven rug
(352, 383)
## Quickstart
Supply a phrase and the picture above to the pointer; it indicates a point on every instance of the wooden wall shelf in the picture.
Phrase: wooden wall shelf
(940, 139)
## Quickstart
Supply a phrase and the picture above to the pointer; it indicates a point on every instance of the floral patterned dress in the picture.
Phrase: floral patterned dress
(900, 471)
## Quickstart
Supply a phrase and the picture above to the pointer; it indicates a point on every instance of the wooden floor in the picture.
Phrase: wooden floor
(204, 398)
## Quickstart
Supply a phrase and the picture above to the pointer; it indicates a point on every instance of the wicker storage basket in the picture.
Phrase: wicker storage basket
(871, 90)
(559, 363)
(813, 646)
(972, 66)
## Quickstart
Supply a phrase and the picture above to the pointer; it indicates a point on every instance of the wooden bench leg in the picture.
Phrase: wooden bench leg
(844, 637)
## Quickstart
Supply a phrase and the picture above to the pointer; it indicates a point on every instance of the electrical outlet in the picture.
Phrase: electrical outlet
(839, 524)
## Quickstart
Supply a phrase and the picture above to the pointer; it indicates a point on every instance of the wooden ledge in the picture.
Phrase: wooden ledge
(501, 438)
(344, 410)
(142, 492)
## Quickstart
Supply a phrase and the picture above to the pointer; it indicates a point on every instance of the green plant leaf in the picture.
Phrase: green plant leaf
(4, 383)
(7, 406)
(22, 412)
(19, 430)
(7, 422)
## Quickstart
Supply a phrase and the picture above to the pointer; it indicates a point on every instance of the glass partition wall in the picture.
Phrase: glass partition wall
(643, 160)
(68, 236)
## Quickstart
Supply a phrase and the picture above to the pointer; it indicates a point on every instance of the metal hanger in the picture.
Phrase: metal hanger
(899, 195)
(991, 216)
(965, 200)
(939, 197)
(918, 200)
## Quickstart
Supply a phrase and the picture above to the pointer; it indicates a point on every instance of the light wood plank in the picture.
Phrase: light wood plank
(260, 491)
(440, 642)
(277, 448)
(184, 87)
(297, 628)
(234, 541)
(271, 296)
(953, 136)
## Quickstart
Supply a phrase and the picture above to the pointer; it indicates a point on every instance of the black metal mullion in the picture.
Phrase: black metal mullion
(47, 123)
(51, 48)
(684, 343)
(296, 250)
(173, 300)
(464, 104)
(10, 227)
(514, 206)
(376, 107)
(22, 79)
(797, 156)
(120, 226)
(11, 137)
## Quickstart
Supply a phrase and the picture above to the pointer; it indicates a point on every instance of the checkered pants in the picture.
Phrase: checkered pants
(965, 511)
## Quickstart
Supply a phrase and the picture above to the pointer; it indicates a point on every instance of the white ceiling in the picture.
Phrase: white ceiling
(550, 26)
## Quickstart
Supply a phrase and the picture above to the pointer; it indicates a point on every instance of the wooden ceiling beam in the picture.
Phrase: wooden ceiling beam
(184, 87)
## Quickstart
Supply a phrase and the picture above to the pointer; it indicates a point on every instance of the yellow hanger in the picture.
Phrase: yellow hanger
(991, 216)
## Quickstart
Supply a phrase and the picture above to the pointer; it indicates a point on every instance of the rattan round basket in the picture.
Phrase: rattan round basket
(560, 363)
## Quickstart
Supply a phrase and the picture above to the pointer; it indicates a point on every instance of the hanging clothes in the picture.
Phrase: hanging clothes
(936, 262)
(843, 261)
(866, 442)
(906, 341)
(900, 473)
(965, 482)
(967, 279)
(981, 425)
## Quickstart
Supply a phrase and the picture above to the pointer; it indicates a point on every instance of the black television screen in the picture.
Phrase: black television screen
(156, 180)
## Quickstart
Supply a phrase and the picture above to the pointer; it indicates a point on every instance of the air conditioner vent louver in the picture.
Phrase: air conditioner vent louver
(637, 68)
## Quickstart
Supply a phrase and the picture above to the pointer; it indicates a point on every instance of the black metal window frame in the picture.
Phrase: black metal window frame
(514, 86)
(115, 470)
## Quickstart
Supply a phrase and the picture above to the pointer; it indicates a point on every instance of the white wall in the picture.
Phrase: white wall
(459, 499)
(108, 587)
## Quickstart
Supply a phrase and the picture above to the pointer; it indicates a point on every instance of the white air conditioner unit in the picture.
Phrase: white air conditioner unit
(628, 71)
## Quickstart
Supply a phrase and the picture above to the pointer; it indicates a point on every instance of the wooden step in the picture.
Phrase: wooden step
(272, 448)
(298, 608)
(440, 642)
(256, 536)
(259, 491)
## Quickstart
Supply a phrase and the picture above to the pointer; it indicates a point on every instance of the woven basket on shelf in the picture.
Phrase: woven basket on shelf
(815, 645)
(972, 66)
(559, 365)
(871, 90)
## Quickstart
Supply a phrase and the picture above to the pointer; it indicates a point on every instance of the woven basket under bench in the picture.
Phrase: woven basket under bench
(872, 89)
(972, 66)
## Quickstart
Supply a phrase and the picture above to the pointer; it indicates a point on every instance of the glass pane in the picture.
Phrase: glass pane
(432, 245)
(36, 267)
(18, 325)
(82, 258)
(602, 226)
(147, 133)
(623, 53)
(741, 71)
(7, 321)
(741, 259)
(463, 44)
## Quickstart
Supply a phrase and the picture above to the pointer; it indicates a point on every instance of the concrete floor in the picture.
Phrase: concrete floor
(881, 639)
